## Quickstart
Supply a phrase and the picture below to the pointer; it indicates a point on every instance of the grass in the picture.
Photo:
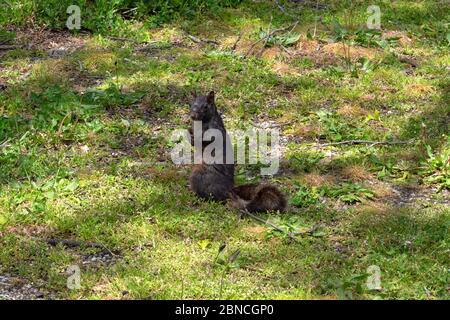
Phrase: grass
(85, 155)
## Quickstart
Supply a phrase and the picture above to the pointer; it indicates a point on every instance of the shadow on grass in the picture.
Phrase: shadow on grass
(431, 127)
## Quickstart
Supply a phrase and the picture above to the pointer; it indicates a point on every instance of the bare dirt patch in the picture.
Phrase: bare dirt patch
(29, 230)
(413, 196)
(418, 89)
(354, 53)
(56, 43)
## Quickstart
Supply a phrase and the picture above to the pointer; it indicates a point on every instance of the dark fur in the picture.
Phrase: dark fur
(210, 181)
(261, 198)
(216, 181)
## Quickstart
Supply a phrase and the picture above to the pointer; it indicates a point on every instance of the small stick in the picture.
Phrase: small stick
(130, 10)
(4, 143)
(315, 20)
(288, 51)
(151, 45)
(293, 26)
(62, 122)
(198, 40)
(107, 249)
(9, 47)
(71, 243)
(80, 64)
(371, 143)
(122, 39)
(133, 41)
(276, 125)
(76, 244)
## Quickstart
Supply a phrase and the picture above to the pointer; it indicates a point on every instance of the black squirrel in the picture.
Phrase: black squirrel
(215, 181)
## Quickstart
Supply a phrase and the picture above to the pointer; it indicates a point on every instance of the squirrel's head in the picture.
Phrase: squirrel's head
(203, 107)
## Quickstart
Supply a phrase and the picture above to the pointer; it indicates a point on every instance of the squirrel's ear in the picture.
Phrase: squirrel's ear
(210, 97)
(193, 94)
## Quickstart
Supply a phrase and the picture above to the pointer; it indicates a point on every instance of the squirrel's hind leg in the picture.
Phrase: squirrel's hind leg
(209, 185)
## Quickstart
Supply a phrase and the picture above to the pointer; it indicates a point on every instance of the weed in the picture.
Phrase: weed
(436, 168)
(286, 39)
(305, 197)
(347, 192)
(305, 161)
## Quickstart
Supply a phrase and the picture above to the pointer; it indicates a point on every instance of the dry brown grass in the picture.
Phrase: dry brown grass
(419, 89)
(306, 131)
(257, 232)
(316, 180)
(356, 173)
(284, 69)
(271, 53)
(382, 190)
(351, 110)
(313, 50)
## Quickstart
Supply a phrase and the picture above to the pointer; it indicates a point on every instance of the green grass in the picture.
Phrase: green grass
(85, 155)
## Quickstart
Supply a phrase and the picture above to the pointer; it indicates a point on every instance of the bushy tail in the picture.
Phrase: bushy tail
(258, 198)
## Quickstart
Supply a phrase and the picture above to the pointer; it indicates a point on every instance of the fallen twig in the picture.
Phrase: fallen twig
(152, 45)
(9, 47)
(107, 249)
(270, 224)
(62, 123)
(288, 51)
(71, 243)
(123, 39)
(4, 144)
(128, 11)
(198, 40)
(371, 143)
(315, 20)
(147, 43)
(275, 125)
(80, 64)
